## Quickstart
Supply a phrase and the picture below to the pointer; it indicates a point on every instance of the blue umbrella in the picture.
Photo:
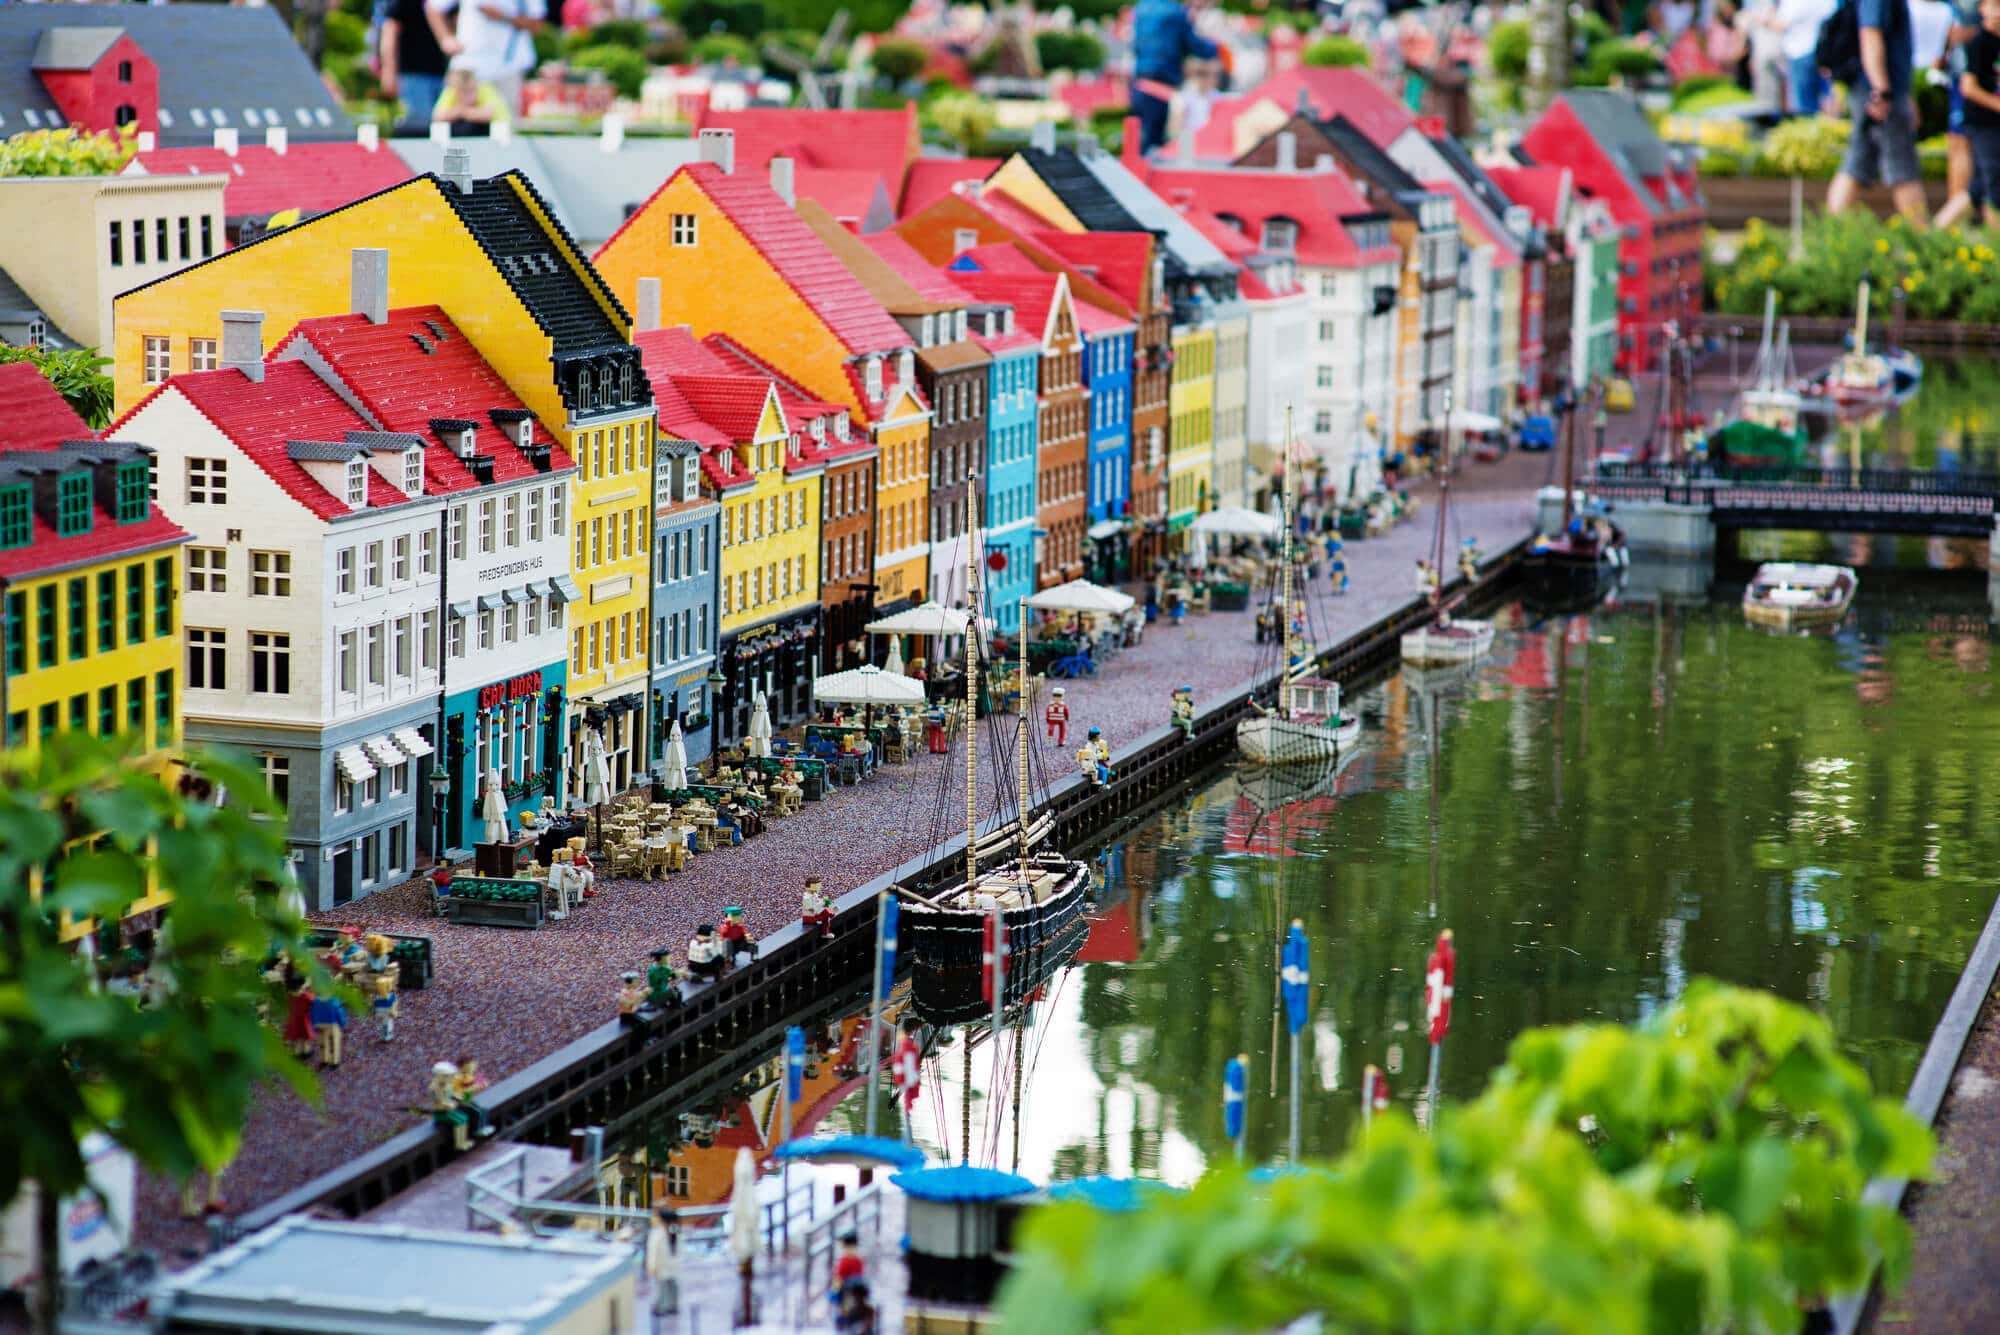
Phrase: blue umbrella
(795, 1063)
(1295, 976)
(1235, 1090)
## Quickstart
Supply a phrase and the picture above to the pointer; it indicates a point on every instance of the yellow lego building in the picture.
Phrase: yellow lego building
(490, 253)
(1191, 435)
(732, 257)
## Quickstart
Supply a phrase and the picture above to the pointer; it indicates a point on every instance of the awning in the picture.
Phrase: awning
(513, 596)
(353, 765)
(383, 752)
(412, 742)
(489, 602)
(463, 611)
(1105, 528)
(539, 589)
(565, 588)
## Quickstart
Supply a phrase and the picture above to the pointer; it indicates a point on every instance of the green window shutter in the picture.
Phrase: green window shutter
(135, 603)
(79, 618)
(107, 611)
(134, 481)
(72, 504)
(15, 517)
(17, 634)
(163, 595)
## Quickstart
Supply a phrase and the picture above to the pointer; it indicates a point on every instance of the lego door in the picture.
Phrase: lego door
(343, 873)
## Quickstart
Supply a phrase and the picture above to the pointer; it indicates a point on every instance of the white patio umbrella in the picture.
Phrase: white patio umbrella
(893, 664)
(1080, 595)
(1464, 419)
(596, 769)
(743, 1225)
(867, 685)
(493, 808)
(677, 758)
(760, 726)
(1233, 521)
(923, 619)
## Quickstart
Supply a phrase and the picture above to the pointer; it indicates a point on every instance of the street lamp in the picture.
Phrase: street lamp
(440, 783)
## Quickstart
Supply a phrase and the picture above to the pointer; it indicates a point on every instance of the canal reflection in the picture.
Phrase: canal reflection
(1609, 806)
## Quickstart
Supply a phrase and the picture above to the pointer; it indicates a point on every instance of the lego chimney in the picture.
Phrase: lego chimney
(646, 310)
(458, 169)
(148, 141)
(243, 343)
(369, 285)
(781, 181)
(962, 240)
(368, 135)
(225, 139)
(611, 132)
(1288, 151)
(1043, 137)
(718, 148)
(1324, 163)
(276, 137)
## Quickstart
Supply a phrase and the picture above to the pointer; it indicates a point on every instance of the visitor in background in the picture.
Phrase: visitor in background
(469, 104)
(1882, 144)
(1725, 44)
(1163, 41)
(1965, 188)
(1980, 83)
(417, 44)
(1769, 72)
(498, 37)
(1797, 23)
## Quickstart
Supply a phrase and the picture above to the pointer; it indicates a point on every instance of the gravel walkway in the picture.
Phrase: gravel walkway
(506, 998)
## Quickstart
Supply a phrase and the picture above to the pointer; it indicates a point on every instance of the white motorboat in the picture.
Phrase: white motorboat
(1308, 723)
(1790, 594)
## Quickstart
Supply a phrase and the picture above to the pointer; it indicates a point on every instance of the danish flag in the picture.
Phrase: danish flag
(904, 1067)
(1439, 970)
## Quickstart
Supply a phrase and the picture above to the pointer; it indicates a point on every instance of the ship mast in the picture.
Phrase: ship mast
(1021, 696)
(971, 717)
(1285, 577)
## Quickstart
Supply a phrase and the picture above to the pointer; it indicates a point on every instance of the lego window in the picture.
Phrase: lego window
(357, 484)
(207, 570)
(413, 472)
(684, 229)
(133, 480)
(15, 521)
(73, 504)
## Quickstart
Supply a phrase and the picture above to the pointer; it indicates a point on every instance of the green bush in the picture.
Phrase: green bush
(629, 33)
(1507, 47)
(1946, 274)
(1695, 84)
(899, 61)
(1617, 59)
(964, 119)
(1072, 50)
(1808, 146)
(67, 152)
(1712, 99)
(716, 47)
(1337, 51)
(624, 67)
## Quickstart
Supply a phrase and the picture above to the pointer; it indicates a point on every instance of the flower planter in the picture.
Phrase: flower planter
(490, 901)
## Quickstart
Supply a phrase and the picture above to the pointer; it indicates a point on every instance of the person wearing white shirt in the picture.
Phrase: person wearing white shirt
(1930, 31)
(1798, 23)
(498, 37)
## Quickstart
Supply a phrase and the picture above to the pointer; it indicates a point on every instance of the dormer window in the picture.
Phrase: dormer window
(840, 428)
(929, 336)
(819, 428)
(690, 477)
(624, 382)
(872, 376)
(357, 484)
(134, 485)
(72, 504)
(413, 472)
(959, 322)
(1281, 234)
(605, 384)
(906, 368)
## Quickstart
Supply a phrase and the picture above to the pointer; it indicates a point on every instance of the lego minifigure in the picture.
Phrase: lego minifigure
(445, 1108)
(298, 1014)
(1336, 564)
(663, 1261)
(1183, 710)
(662, 986)
(353, 956)
(1094, 759)
(707, 956)
(385, 1006)
(736, 936)
(562, 879)
(1427, 579)
(493, 808)
(1468, 559)
(464, 1086)
(849, 1268)
(631, 995)
(1056, 715)
(583, 877)
(380, 952)
(815, 910)
(329, 1023)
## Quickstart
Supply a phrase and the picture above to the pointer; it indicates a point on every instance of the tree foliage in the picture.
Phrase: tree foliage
(78, 375)
(965, 119)
(1945, 274)
(624, 68)
(1507, 47)
(1337, 50)
(899, 60)
(1073, 49)
(68, 152)
(171, 1081)
(1702, 1171)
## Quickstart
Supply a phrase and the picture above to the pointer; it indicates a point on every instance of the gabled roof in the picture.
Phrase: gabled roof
(856, 193)
(74, 48)
(1475, 178)
(423, 388)
(873, 273)
(882, 142)
(1087, 198)
(676, 351)
(797, 255)
(33, 416)
(1541, 190)
(18, 308)
(1506, 250)
(734, 404)
(1326, 91)
(925, 278)
(313, 177)
(1117, 260)
(1185, 247)
(1369, 160)
(799, 407)
(568, 301)
(262, 417)
(987, 220)
(1315, 201)
(995, 257)
(1615, 122)
(674, 358)
(1032, 294)
(931, 178)
(1225, 237)
(1095, 322)
(46, 550)
(228, 65)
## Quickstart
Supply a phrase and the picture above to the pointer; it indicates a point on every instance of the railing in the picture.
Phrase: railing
(1899, 481)
(863, 1207)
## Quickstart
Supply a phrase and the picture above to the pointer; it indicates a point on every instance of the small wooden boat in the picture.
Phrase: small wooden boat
(1793, 593)
(1572, 566)
(1862, 379)
(1310, 726)
(1772, 401)
(1445, 640)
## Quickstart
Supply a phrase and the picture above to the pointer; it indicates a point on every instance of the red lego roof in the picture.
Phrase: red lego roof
(882, 142)
(676, 351)
(33, 416)
(1117, 260)
(290, 403)
(800, 408)
(846, 193)
(733, 404)
(930, 282)
(931, 179)
(1224, 236)
(1094, 321)
(1539, 189)
(1252, 288)
(674, 358)
(1315, 200)
(1031, 295)
(1352, 93)
(314, 177)
(405, 388)
(995, 257)
(798, 256)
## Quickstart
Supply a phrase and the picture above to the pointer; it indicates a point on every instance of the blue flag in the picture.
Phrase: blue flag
(1234, 1083)
(889, 908)
(1294, 977)
(795, 1064)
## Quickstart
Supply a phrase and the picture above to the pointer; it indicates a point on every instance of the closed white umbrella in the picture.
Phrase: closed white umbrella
(760, 726)
(867, 685)
(1233, 521)
(1080, 595)
(677, 758)
(743, 1226)
(893, 664)
(596, 769)
(493, 808)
